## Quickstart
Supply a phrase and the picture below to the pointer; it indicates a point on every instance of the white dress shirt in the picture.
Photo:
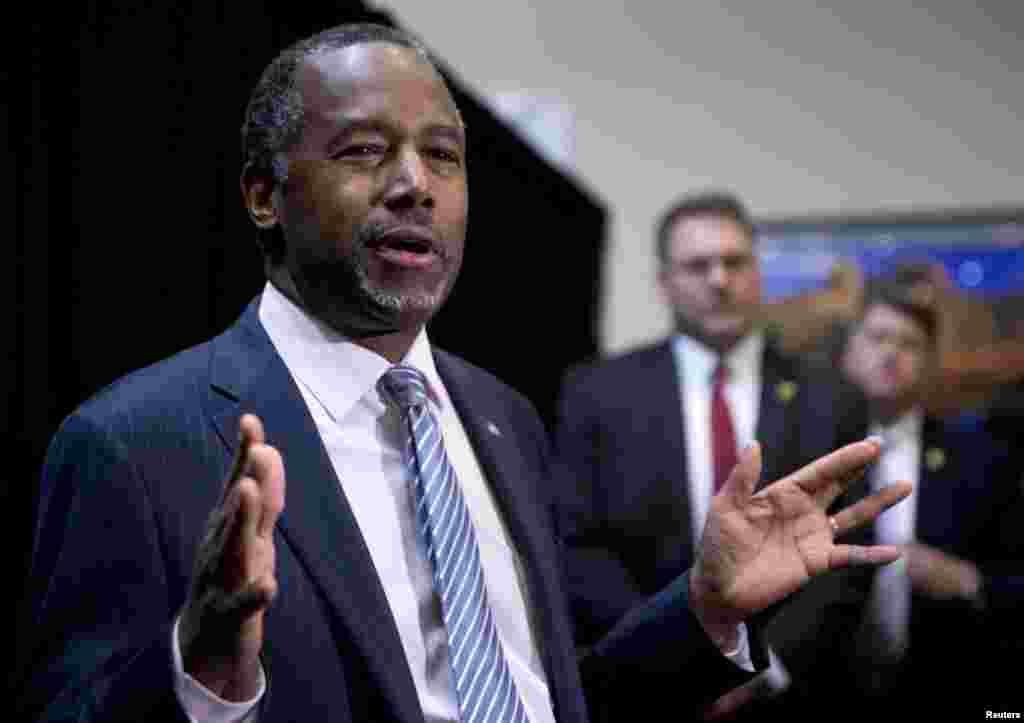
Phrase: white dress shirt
(899, 460)
(695, 368)
(363, 437)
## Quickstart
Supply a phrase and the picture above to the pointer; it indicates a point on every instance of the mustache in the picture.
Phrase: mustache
(417, 224)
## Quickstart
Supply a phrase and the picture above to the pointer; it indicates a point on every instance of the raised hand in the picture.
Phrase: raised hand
(233, 582)
(759, 547)
(938, 575)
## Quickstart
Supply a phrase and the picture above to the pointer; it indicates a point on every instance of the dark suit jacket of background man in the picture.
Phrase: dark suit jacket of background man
(132, 476)
(970, 504)
(622, 452)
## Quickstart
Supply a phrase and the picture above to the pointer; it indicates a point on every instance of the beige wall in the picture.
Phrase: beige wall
(800, 106)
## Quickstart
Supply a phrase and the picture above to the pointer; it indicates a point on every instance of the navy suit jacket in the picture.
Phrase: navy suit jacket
(970, 504)
(126, 489)
(622, 464)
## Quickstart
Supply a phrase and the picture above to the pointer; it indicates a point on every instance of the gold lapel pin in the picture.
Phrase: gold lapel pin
(785, 391)
(934, 459)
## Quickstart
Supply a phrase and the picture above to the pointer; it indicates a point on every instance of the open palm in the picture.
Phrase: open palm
(759, 547)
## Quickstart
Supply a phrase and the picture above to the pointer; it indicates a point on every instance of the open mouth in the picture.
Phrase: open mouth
(407, 245)
(410, 249)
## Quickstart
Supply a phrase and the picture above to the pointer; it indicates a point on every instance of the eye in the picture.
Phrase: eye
(361, 151)
(444, 155)
(698, 266)
(735, 262)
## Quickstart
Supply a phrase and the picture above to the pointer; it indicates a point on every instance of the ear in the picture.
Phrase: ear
(664, 277)
(258, 193)
(848, 355)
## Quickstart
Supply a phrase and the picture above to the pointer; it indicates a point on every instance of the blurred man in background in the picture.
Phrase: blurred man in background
(960, 583)
(645, 439)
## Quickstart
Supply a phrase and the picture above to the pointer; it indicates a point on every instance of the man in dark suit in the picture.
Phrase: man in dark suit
(641, 437)
(960, 584)
(331, 597)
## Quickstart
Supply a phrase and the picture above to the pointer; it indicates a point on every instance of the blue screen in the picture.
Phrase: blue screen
(983, 258)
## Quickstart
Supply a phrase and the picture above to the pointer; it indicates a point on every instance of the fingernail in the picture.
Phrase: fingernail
(874, 438)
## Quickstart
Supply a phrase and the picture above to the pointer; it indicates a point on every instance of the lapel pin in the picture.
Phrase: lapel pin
(934, 459)
(493, 429)
(785, 391)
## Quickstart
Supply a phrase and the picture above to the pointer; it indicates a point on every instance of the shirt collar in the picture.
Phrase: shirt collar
(699, 361)
(905, 428)
(336, 370)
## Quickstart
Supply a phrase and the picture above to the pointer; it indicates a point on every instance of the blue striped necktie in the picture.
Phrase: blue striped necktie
(483, 682)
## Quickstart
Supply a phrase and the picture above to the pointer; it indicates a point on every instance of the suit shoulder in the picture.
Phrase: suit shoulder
(618, 366)
(966, 436)
(479, 380)
(154, 390)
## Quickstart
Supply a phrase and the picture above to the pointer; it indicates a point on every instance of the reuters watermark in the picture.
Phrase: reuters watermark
(1001, 715)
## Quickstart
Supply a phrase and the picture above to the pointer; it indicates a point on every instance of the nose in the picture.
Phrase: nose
(408, 185)
(718, 275)
(889, 353)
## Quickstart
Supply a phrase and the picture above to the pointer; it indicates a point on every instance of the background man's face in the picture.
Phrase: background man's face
(711, 279)
(374, 209)
(888, 356)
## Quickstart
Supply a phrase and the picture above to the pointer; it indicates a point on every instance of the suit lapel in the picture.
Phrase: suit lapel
(317, 522)
(775, 428)
(494, 438)
(662, 393)
(936, 490)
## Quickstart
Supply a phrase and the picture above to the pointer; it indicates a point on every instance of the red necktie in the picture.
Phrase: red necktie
(723, 437)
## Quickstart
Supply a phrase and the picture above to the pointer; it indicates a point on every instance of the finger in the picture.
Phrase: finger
(267, 469)
(826, 496)
(220, 528)
(250, 431)
(248, 599)
(742, 481)
(870, 507)
(235, 562)
(250, 508)
(858, 555)
(840, 468)
(221, 518)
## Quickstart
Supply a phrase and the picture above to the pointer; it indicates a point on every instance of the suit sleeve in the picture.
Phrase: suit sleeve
(97, 641)
(659, 654)
(809, 628)
(656, 652)
(600, 586)
(1002, 559)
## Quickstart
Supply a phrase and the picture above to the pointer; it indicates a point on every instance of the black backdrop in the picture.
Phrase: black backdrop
(130, 240)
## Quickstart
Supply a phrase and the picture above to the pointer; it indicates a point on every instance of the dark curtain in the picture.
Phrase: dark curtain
(130, 240)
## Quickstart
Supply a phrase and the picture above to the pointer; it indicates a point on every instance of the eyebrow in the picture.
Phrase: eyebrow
(455, 133)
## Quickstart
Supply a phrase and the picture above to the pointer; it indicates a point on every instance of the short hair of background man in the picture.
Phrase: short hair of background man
(912, 300)
(714, 203)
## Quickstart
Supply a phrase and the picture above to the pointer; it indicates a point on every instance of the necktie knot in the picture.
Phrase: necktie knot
(404, 386)
(721, 374)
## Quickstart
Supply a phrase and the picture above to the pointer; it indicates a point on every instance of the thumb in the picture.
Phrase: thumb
(743, 479)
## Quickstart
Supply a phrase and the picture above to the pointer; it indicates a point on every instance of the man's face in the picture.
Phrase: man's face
(711, 279)
(888, 357)
(374, 208)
